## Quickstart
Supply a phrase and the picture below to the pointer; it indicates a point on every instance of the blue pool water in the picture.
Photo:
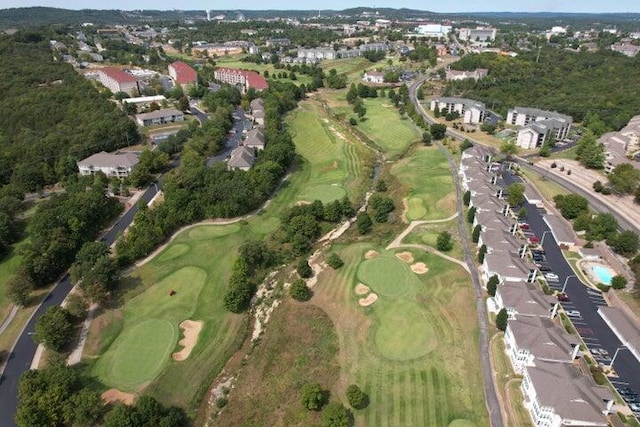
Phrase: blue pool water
(604, 274)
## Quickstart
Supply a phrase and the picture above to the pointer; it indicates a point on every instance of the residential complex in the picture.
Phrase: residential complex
(536, 126)
(182, 74)
(159, 117)
(480, 34)
(117, 165)
(622, 146)
(470, 111)
(117, 80)
(373, 77)
(477, 74)
(243, 78)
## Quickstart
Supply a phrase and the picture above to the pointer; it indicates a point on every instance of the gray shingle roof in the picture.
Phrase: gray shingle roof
(158, 114)
(104, 159)
(542, 338)
(525, 298)
(241, 157)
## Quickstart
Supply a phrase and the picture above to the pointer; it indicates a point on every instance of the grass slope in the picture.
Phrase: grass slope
(414, 352)
(426, 180)
(299, 345)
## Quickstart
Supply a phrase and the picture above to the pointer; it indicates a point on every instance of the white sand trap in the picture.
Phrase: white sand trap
(419, 268)
(362, 289)
(115, 395)
(302, 203)
(191, 330)
(371, 254)
(370, 299)
(405, 256)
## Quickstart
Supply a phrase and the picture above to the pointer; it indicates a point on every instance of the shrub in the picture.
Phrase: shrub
(221, 402)
(466, 198)
(444, 242)
(475, 234)
(363, 223)
(501, 319)
(618, 282)
(335, 415)
(481, 253)
(602, 287)
(356, 397)
(471, 214)
(569, 172)
(313, 397)
(335, 261)
(353, 121)
(597, 186)
(554, 165)
(492, 285)
(304, 269)
(606, 191)
(299, 291)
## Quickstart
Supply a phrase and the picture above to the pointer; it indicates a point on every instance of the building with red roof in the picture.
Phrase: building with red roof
(117, 80)
(247, 79)
(182, 74)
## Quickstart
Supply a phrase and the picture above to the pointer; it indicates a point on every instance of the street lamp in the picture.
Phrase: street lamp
(615, 354)
(566, 281)
(543, 236)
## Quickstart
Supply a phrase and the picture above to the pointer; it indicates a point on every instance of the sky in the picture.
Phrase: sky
(451, 6)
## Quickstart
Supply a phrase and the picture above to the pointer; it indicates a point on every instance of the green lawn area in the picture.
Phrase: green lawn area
(427, 183)
(547, 188)
(427, 234)
(233, 61)
(415, 350)
(333, 160)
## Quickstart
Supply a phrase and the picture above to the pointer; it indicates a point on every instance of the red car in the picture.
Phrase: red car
(563, 297)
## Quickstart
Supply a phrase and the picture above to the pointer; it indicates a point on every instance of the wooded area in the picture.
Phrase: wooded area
(603, 83)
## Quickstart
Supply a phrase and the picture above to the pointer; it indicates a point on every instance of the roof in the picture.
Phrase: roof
(144, 99)
(241, 157)
(257, 104)
(506, 265)
(572, 395)
(104, 159)
(560, 229)
(374, 73)
(255, 138)
(542, 338)
(158, 114)
(118, 75)
(525, 298)
(255, 80)
(542, 113)
(184, 73)
(463, 101)
(627, 330)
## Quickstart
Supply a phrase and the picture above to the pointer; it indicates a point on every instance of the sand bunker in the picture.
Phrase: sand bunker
(405, 256)
(370, 299)
(115, 395)
(362, 289)
(302, 203)
(419, 268)
(371, 254)
(191, 330)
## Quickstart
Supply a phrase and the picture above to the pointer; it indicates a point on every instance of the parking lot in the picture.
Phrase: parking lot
(582, 302)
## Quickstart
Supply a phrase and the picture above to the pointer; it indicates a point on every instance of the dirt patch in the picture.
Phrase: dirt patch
(114, 395)
(302, 203)
(362, 289)
(405, 209)
(333, 166)
(405, 256)
(191, 330)
(370, 299)
(419, 268)
(371, 254)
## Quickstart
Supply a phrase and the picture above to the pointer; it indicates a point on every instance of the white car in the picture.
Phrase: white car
(552, 277)
(573, 313)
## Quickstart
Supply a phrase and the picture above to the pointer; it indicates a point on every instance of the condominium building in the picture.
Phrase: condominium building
(470, 111)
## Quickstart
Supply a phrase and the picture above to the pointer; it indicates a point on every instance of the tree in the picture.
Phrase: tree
(471, 214)
(492, 285)
(475, 234)
(589, 152)
(444, 241)
(438, 131)
(54, 328)
(481, 253)
(502, 319)
(618, 282)
(335, 415)
(356, 397)
(636, 195)
(183, 103)
(363, 223)
(335, 261)
(381, 186)
(313, 397)
(624, 178)
(601, 226)
(509, 149)
(300, 291)
(515, 194)
(625, 243)
(304, 269)
(426, 138)
(466, 198)
(466, 144)
(420, 93)
(571, 205)
(18, 289)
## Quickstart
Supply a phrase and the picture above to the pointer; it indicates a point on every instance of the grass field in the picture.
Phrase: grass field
(426, 180)
(333, 160)
(427, 234)
(415, 350)
(300, 344)
(547, 188)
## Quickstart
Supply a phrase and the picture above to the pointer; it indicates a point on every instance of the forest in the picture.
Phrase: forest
(603, 83)
(50, 115)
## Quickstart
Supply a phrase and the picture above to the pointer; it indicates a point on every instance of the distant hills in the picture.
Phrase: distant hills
(32, 16)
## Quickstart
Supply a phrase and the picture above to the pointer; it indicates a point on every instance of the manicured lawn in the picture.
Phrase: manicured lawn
(333, 160)
(415, 350)
(547, 188)
(427, 234)
(426, 180)
(300, 345)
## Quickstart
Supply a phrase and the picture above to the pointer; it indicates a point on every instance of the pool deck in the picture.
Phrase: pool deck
(586, 267)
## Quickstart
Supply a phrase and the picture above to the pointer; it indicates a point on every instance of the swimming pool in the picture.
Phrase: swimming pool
(602, 273)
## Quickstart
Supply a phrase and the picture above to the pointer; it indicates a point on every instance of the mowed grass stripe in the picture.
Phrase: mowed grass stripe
(403, 386)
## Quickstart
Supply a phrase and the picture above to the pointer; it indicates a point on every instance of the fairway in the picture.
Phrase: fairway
(426, 179)
(415, 350)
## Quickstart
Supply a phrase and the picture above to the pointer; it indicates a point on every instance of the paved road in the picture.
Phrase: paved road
(240, 124)
(594, 331)
(24, 349)
(491, 398)
(199, 114)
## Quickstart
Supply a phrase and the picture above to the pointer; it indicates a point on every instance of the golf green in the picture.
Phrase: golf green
(325, 193)
(387, 276)
(404, 331)
(172, 252)
(142, 352)
(416, 209)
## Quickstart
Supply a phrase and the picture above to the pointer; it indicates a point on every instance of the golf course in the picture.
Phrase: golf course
(414, 351)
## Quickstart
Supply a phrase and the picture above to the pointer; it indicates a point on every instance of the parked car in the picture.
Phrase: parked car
(551, 277)
(573, 313)
(539, 258)
(544, 268)
(524, 226)
(563, 298)
(634, 407)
